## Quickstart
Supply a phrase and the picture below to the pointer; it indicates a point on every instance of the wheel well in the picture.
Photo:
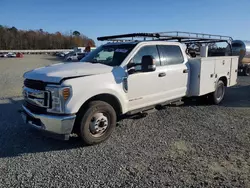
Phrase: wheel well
(108, 98)
(224, 80)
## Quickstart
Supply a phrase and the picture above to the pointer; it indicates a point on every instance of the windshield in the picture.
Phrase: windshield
(111, 55)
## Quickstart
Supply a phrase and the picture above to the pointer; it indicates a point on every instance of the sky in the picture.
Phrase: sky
(96, 18)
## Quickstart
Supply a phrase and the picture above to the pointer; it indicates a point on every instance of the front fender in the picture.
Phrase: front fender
(82, 94)
(74, 105)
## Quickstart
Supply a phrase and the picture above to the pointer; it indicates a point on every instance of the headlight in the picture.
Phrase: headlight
(59, 96)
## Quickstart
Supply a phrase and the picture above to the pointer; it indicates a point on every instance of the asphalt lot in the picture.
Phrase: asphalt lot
(192, 145)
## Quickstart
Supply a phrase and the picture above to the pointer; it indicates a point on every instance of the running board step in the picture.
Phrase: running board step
(177, 103)
(156, 107)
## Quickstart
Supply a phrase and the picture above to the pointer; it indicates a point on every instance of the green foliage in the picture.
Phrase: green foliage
(13, 39)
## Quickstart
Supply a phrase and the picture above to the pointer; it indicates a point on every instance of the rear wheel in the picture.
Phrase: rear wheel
(246, 70)
(97, 122)
(217, 96)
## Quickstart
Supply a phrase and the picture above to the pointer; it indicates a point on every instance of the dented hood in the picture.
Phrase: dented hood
(56, 72)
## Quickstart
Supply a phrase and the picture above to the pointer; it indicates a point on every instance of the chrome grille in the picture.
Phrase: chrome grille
(36, 97)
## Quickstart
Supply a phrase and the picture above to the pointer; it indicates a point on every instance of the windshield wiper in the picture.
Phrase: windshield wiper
(94, 62)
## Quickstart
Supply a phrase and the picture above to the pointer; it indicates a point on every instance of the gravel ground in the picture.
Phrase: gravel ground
(189, 146)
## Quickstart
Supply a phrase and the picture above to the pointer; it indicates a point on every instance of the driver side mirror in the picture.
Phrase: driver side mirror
(148, 63)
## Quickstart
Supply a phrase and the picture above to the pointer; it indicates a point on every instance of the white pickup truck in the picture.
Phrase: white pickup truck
(119, 78)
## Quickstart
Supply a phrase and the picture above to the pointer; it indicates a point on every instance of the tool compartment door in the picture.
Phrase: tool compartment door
(222, 66)
(233, 71)
(207, 76)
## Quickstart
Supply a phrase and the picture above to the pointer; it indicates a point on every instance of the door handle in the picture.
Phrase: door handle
(185, 71)
(161, 74)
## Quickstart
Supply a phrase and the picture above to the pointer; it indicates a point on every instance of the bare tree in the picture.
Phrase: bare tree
(12, 38)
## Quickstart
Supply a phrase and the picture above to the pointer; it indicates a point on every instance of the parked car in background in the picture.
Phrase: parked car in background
(19, 55)
(61, 54)
(56, 54)
(4, 54)
(74, 56)
(81, 55)
(10, 54)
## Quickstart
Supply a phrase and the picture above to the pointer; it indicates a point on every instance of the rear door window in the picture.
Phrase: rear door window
(170, 55)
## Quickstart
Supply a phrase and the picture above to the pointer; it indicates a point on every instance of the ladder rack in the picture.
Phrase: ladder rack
(184, 37)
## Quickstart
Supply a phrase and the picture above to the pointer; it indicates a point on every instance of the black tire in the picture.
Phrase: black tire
(218, 95)
(86, 118)
(246, 70)
(204, 99)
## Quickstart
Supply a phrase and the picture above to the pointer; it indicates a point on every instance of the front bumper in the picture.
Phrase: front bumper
(57, 125)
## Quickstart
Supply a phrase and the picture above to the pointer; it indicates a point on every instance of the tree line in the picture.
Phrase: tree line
(13, 39)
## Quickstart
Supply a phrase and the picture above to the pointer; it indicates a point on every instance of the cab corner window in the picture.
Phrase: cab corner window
(170, 55)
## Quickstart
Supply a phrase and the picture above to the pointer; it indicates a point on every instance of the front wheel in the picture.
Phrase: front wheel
(217, 96)
(97, 122)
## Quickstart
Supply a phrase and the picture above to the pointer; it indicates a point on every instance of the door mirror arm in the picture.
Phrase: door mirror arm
(131, 65)
(131, 71)
(131, 68)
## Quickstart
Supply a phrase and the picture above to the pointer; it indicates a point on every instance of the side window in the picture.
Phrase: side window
(170, 55)
(147, 50)
(106, 56)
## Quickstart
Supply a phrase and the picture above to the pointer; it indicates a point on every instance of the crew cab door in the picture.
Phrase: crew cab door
(145, 88)
(174, 66)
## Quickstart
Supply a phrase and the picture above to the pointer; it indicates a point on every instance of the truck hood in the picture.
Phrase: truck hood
(56, 72)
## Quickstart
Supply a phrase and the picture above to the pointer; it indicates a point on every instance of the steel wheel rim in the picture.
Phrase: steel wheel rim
(99, 124)
(220, 92)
